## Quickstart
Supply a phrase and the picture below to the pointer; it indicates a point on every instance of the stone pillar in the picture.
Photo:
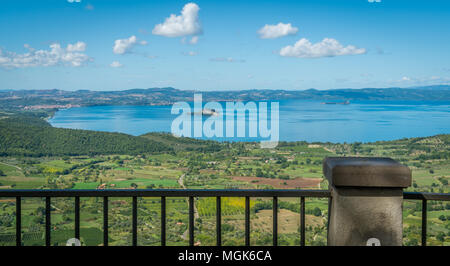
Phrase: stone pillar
(367, 200)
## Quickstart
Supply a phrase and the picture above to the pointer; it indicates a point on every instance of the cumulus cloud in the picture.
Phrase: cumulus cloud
(115, 64)
(122, 46)
(374, 1)
(276, 31)
(74, 1)
(72, 55)
(77, 47)
(328, 47)
(185, 24)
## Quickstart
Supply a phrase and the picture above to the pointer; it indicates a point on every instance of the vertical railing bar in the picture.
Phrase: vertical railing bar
(47, 221)
(302, 221)
(275, 221)
(18, 221)
(424, 222)
(247, 221)
(191, 220)
(163, 221)
(328, 219)
(77, 217)
(105, 221)
(218, 222)
(134, 221)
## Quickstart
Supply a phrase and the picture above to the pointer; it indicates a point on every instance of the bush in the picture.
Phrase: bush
(317, 212)
(440, 236)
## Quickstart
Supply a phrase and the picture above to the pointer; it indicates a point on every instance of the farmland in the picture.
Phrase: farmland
(179, 163)
(238, 165)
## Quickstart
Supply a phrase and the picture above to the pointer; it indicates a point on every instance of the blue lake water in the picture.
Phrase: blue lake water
(298, 120)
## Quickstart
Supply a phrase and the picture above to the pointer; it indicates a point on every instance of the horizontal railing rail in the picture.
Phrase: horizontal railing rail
(190, 194)
(424, 197)
(164, 192)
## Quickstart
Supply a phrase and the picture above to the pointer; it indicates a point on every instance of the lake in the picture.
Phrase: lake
(298, 120)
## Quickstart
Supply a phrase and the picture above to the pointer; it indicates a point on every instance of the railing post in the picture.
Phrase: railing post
(18, 221)
(247, 221)
(424, 223)
(77, 217)
(218, 222)
(163, 221)
(105, 221)
(191, 220)
(275, 221)
(48, 222)
(134, 222)
(302, 222)
(366, 200)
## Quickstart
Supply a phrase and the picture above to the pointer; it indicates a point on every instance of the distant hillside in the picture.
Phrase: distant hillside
(28, 134)
(184, 144)
(57, 99)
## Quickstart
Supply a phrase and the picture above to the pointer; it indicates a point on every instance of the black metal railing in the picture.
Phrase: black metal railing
(424, 197)
(191, 194)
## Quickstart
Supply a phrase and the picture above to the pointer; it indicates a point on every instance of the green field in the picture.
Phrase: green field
(207, 165)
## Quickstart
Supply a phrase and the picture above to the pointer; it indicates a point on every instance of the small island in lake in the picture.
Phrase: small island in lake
(208, 112)
(344, 103)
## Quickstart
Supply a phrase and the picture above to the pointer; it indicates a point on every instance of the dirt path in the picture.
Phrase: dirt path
(17, 167)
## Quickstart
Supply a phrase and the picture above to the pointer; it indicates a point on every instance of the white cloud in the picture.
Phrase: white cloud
(194, 40)
(115, 64)
(77, 47)
(227, 59)
(71, 55)
(328, 47)
(406, 79)
(423, 80)
(74, 1)
(185, 24)
(276, 31)
(122, 46)
(190, 53)
(374, 1)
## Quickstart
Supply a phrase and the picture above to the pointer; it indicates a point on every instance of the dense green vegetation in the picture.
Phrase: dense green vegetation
(26, 135)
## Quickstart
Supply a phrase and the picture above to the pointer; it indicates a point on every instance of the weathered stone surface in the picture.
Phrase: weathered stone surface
(366, 200)
(366, 172)
(356, 217)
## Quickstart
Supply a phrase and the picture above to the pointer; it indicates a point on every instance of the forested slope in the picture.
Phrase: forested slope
(28, 135)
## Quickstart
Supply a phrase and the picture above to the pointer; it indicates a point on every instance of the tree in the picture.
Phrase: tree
(317, 212)
(440, 236)
(2, 173)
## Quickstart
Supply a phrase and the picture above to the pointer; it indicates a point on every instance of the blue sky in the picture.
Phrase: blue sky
(223, 45)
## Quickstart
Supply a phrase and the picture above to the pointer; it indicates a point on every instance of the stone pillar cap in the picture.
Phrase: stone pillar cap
(366, 172)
